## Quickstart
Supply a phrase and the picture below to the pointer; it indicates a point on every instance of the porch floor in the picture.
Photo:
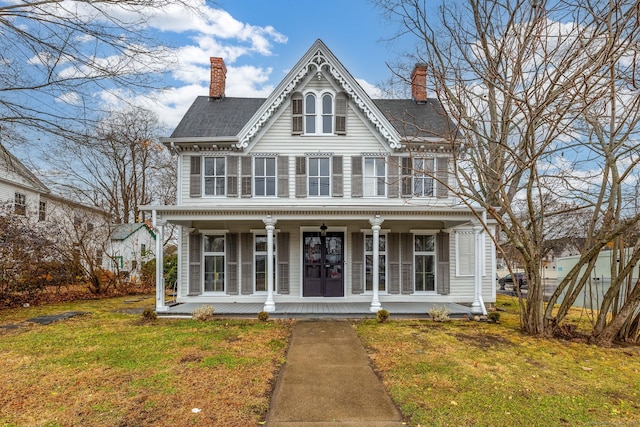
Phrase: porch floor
(318, 309)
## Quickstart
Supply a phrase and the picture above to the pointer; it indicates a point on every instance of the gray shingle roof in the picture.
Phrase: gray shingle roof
(122, 231)
(226, 117)
(216, 117)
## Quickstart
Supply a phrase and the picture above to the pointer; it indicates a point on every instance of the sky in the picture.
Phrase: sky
(260, 40)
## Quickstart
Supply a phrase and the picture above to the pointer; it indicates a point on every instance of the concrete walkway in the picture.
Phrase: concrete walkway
(327, 381)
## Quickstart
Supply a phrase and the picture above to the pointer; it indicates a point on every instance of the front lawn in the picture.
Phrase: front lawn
(109, 368)
(466, 373)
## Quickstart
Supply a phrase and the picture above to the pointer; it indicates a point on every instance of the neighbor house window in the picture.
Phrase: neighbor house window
(425, 262)
(143, 249)
(318, 114)
(42, 211)
(264, 176)
(423, 182)
(214, 253)
(214, 176)
(20, 204)
(260, 256)
(319, 176)
(382, 262)
(375, 173)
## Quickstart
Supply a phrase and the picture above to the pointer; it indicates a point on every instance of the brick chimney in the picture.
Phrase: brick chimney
(218, 78)
(419, 83)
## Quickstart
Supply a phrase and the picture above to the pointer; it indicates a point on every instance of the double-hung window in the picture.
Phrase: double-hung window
(382, 262)
(20, 204)
(425, 262)
(319, 176)
(214, 176)
(214, 261)
(375, 174)
(42, 211)
(423, 173)
(260, 254)
(264, 176)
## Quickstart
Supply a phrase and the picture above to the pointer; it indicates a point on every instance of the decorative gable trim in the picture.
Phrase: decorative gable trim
(317, 60)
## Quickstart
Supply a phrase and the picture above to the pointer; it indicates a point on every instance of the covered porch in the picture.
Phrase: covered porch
(319, 309)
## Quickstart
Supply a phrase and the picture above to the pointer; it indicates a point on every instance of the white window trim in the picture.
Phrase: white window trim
(318, 113)
(365, 176)
(424, 176)
(330, 176)
(204, 177)
(435, 258)
(257, 233)
(204, 254)
(471, 254)
(254, 176)
(384, 233)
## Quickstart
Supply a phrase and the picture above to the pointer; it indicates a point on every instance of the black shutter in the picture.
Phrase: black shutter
(393, 255)
(232, 176)
(337, 176)
(231, 269)
(393, 177)
(246, 259)
(296, 114)
(246, 166)
(283, 263)
(283, 176)
(406, 173)
(442, 177)
(195, 177)
(301, 176)
(406, 253)
(357, 263)
(356, 176)
(442, 254)
(195, 264)
(341, 114)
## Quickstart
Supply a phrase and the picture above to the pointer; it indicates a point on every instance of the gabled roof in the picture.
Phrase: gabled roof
(12, 164)
(236, 121)
(123, 231)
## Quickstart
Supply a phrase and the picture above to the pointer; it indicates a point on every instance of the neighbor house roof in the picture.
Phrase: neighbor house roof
(122, 231)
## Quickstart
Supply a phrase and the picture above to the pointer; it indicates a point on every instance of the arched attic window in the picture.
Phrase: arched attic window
(319, 114)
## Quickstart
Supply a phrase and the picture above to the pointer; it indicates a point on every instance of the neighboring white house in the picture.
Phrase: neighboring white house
(321, 194)
(80, 227)
(129, 247)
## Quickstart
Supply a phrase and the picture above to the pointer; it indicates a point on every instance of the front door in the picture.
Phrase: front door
(323, 265)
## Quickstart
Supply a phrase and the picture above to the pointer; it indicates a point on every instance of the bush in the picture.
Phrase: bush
(494, 317)
(382, 316)
(149, 315)
(204, 313)
(439, 314)
(263, 316)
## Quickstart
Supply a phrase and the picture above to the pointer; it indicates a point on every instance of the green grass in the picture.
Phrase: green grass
(111, 368)
(478, 374)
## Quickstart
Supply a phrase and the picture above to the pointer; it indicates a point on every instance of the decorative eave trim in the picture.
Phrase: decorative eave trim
(317, 58)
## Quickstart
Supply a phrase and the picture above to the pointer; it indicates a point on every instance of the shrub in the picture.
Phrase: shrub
(494, 317)
(204, 312)
(382, 316)
(439, 314)
(263, 316)
(149, 315)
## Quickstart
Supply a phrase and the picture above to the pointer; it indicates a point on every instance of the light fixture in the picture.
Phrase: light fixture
(323, 230)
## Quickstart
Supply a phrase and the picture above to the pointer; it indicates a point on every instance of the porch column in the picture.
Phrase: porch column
(375, 227)
(270, 223)
(159, 227)
(477, 307)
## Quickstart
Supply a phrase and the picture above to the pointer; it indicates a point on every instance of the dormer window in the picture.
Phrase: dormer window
(318, 113)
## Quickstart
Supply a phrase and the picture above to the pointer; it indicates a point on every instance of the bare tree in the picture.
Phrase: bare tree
(120, 166)
(536, 89)
(56, 54)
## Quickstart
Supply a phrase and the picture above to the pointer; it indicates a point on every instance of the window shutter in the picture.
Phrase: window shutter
(393, 256)
(337, 176)
(406, 172)
(245, 166)
(406, 250)
(283, 263)
(341, 114)
(393, 177)
(442, 177)
(296, 114)
(232, 176)
(442, 255)
(195, 264)
(465, 253)
(357, 263)
(246, 259)
(283, 176)
(231, 269)
(195, 177)
(356, 176)
(301, 176)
